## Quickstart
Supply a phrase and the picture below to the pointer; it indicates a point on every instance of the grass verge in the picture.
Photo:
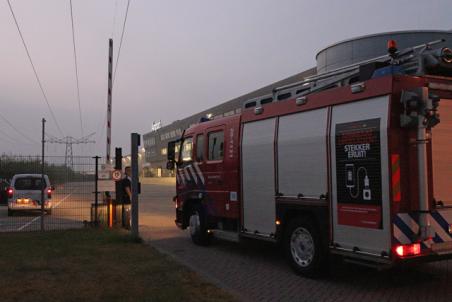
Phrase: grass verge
(94, 265)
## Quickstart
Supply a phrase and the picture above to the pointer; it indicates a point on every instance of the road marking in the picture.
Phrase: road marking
(36, 218)
(62, 200)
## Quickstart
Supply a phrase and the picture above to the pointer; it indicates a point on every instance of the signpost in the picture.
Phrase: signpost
(116, 175)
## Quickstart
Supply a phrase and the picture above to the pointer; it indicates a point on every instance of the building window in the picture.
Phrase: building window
(200, 147)
(216, 145)
(187, 149)
(149, 141)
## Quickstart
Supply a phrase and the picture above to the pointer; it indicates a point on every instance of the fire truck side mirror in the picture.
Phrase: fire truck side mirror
(171, 151)
(171, 155)
(170, 165)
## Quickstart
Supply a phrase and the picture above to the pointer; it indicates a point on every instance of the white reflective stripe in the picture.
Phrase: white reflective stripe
(193, 174)
(439, 230)
(400, 236)
(410, 222)
(185, 173)
(440, 86)
(181, 177)
(429, 243)
(199, 173)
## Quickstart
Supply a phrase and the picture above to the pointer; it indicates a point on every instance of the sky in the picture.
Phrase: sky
(177, 58)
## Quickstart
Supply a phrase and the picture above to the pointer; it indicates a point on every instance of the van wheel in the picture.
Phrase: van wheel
(197, 226)
(10, 212)
(304, 248)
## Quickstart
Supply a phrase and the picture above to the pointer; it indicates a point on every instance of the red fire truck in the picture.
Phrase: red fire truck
(354, 162)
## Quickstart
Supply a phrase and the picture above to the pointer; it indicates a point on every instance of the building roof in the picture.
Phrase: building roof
(238, 102)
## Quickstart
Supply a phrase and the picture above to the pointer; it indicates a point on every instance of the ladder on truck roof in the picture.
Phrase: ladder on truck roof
(414, 60)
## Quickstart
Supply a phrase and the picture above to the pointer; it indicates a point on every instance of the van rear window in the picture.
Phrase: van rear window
(28, 183)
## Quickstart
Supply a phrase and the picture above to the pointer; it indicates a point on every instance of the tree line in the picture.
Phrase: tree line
(57, 173)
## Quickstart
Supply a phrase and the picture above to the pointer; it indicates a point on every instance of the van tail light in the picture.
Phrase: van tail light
(10, 192)
(49, 193)
(407, 250)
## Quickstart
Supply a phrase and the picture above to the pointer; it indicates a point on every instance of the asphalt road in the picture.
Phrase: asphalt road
(256, 271)
(71, 208)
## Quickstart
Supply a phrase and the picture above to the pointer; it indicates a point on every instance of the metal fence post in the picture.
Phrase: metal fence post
(135, 138)
(96, 192)
(42, 175)
(118, 184)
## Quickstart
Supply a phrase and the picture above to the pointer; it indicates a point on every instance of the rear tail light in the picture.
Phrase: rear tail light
(10, 192)
(408, 250)
(49, 193)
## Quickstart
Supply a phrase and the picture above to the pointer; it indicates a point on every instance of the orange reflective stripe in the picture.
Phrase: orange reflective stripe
(396, 192)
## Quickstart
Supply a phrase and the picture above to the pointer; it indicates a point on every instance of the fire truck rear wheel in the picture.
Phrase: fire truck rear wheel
(304, 249)
(197, 227)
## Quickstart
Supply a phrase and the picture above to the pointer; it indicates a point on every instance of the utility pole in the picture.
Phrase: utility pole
(135, 143)
(118, 184)
(42, 174)
(96, 190)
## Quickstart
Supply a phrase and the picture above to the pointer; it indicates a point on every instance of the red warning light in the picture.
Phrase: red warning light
(392, 44)
(392, 47)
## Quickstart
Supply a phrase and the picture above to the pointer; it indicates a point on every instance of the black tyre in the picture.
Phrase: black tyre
(305, 250)
(49, 212)
(197, 226)
(10, 212)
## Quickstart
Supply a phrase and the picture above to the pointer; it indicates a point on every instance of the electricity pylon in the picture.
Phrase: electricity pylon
(69, 141)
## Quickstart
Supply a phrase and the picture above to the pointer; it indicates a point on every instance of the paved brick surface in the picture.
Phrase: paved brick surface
(256, 271)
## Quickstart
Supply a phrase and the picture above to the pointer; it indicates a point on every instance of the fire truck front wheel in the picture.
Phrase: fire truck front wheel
(304, 249)
(197, 226)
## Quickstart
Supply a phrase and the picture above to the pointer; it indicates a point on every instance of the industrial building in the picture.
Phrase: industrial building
(332, 57)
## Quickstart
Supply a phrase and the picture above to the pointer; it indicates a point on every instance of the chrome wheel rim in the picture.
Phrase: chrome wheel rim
(302, 247)
(195, 225)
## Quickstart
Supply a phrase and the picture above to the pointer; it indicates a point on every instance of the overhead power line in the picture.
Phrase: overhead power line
(17, 130)
(10, 138)
(34, 69)
(120, 42)
(76, 69)
(114, 19)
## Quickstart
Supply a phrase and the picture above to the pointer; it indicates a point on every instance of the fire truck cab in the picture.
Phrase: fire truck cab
(358, 167)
